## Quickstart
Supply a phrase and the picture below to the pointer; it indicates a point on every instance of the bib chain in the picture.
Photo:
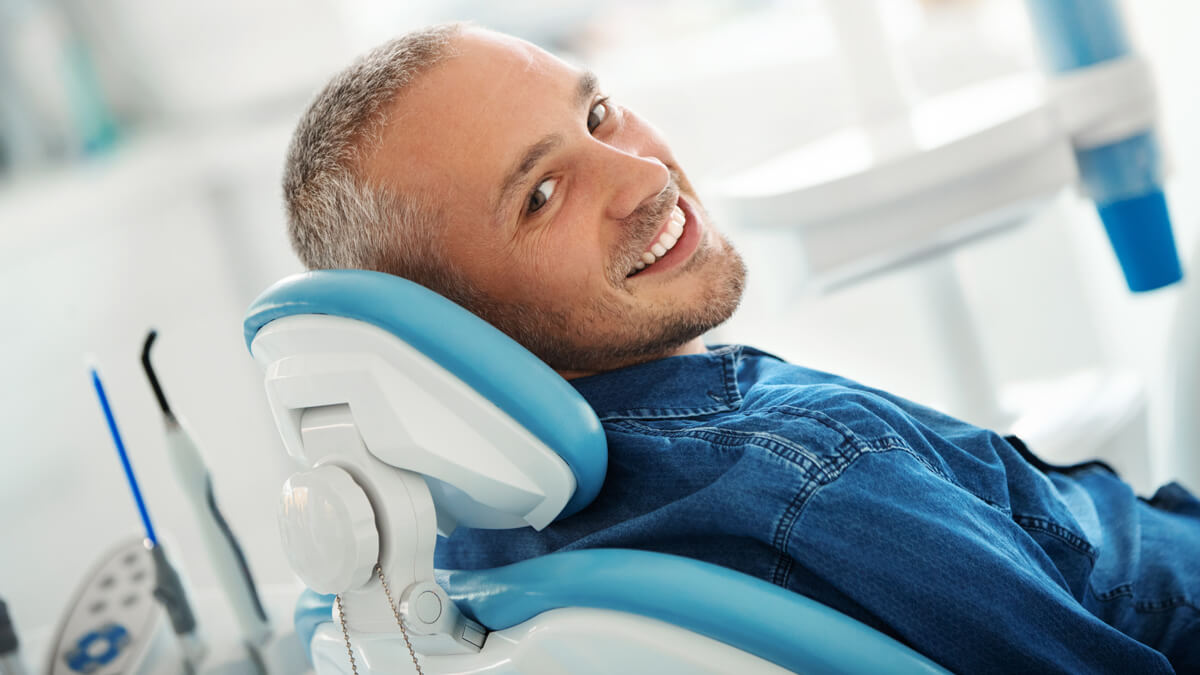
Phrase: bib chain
(395, 613)
(346, 634)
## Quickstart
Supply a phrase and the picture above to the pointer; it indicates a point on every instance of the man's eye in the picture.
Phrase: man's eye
(541, 195)
(597, 114)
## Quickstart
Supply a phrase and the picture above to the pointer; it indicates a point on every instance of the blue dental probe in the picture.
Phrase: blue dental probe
(168, 588)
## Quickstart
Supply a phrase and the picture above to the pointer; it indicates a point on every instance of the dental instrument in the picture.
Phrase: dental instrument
(168, 588)
(220, 544)
(10, 648)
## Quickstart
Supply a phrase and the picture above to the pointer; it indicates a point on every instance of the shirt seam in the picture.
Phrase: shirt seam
(788, 450)
(800, 501)
(821, 474)
(1045, 526)
(860, 447)
(883, 442)
(1126, 590)
(890, 441)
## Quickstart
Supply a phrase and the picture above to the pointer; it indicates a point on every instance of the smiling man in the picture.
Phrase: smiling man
(494, 173)
(558, 216)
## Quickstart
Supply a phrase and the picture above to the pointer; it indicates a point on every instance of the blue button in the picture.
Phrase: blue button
(98, 648)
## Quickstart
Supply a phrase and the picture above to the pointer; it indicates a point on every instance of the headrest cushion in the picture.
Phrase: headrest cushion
(473, 350)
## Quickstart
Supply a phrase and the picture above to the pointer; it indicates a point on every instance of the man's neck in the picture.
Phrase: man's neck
(693, 346)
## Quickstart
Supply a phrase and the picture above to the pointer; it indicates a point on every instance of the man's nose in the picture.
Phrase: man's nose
(633, 179)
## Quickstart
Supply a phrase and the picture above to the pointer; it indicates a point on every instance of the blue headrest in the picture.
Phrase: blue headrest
(487, 360)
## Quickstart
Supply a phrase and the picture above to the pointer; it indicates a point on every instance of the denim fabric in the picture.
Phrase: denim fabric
(946, 536)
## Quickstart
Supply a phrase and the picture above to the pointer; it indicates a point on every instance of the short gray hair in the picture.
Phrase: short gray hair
(337, 218)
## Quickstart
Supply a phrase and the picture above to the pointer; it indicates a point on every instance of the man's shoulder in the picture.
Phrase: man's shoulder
(783, 406)
(739, 394)
(775, 391)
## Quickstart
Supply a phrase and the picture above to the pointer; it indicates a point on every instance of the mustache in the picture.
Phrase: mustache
(639, 227)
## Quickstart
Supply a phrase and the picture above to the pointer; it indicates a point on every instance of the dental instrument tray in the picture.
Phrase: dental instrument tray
(113, 623)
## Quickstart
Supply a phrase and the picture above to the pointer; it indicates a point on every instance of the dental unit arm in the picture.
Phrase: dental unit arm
(1104, 95)
(412, 416)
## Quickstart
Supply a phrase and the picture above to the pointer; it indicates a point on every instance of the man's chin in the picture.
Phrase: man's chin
(608, 335)
(630, 340)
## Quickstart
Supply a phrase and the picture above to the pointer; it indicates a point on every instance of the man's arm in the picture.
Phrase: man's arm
(955, 576)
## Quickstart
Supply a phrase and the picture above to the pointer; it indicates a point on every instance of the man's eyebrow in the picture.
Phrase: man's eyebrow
(516, 177)
(589, 84)
(587, 87)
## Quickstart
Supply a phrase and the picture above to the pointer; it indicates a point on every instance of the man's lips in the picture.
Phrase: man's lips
(686, 244)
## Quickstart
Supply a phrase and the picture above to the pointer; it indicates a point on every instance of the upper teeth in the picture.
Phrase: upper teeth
(666, 241)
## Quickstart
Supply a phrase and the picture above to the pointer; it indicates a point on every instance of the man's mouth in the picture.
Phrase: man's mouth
(675, 242)
(667, 238)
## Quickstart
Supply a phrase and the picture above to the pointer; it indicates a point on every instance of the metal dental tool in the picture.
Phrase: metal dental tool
(168, 589)
(222, 547)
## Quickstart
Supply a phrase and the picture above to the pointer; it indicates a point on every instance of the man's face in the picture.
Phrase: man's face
(565, 210)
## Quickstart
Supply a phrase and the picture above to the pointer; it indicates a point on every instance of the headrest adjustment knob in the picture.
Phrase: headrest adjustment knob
(328, 529)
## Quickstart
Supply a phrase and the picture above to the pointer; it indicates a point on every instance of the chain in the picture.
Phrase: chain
(395, 613)
(399, 621)
(346, 634)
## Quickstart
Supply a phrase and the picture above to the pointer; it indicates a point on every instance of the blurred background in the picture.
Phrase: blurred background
(141, 147)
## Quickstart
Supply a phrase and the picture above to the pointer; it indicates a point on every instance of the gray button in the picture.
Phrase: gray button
(429, 607)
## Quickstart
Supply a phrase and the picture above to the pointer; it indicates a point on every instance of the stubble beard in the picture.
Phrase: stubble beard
(605, 334)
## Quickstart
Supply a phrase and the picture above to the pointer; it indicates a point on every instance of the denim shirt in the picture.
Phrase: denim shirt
(943, 535)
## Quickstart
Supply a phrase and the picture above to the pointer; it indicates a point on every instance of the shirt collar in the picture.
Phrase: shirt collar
(677, 386)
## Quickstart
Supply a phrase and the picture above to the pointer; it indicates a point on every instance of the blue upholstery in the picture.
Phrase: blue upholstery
(753, 615)
(312, 610)
(770, 622)
(485, 359)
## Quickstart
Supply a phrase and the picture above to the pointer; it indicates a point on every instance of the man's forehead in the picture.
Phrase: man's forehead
(491, 45)
(466, 119)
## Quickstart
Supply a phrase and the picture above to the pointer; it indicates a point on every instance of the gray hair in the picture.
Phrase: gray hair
(337, 218)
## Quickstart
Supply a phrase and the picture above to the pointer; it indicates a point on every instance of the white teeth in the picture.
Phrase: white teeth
(666, 241)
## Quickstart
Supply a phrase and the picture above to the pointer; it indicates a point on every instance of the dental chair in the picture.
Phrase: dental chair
(412, 417)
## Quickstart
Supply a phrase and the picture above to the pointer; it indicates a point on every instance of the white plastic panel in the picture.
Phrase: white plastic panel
(560, 642)
(1106, 102)
(871, 198)
(415, 415)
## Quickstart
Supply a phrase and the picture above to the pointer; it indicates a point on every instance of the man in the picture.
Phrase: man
(499, 176)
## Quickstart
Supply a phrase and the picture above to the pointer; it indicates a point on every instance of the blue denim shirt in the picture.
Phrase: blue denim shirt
(944, 535)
